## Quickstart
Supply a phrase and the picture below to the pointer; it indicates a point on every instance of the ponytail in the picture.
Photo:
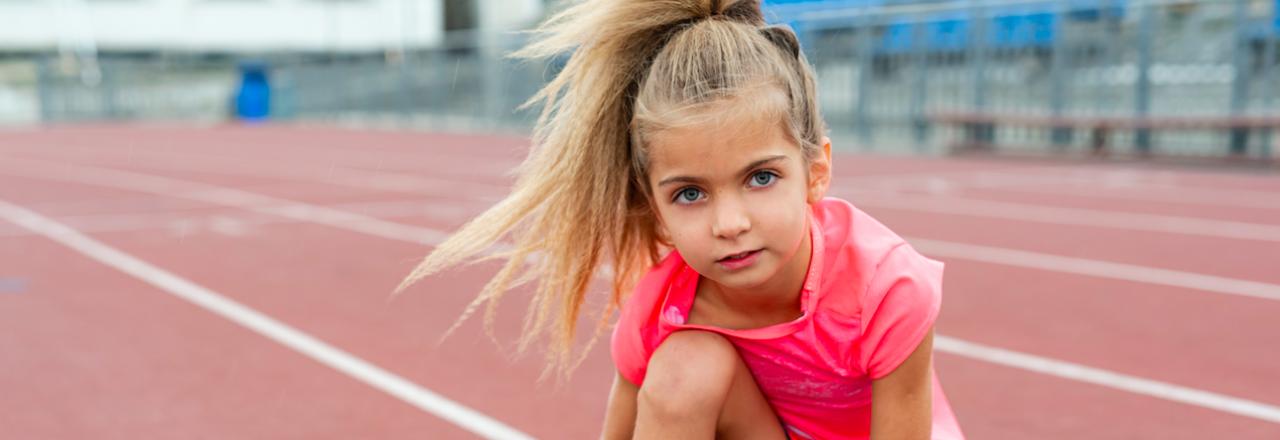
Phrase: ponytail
(580, 201)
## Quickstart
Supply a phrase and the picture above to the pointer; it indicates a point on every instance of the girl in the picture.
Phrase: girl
(682, 146)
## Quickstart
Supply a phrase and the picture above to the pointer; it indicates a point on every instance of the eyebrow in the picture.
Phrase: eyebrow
(746, 169)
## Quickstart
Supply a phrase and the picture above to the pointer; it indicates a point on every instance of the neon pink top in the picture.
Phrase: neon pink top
(868, 300)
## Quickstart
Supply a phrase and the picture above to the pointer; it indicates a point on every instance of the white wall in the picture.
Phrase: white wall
(506, 15)
(220, 25)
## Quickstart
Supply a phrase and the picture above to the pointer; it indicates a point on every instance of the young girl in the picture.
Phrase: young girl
(681, 151)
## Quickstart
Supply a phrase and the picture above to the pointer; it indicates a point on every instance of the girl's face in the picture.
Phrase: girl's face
(733, 198)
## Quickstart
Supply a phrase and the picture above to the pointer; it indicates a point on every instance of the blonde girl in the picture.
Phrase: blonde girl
(681, 154)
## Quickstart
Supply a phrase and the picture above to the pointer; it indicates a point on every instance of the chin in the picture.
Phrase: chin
(747, 279)
(742, 286)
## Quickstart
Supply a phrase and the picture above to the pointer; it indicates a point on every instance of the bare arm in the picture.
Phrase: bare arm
(620, 415)
(902, 402)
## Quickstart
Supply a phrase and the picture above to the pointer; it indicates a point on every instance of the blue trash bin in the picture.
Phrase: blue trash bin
(253, 99)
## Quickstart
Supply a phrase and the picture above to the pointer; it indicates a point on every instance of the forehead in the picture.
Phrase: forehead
(728, 141)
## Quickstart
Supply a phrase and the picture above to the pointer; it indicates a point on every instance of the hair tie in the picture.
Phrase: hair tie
(784, 38)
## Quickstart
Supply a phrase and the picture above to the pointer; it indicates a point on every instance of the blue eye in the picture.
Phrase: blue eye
(763, 179)
(688, 195)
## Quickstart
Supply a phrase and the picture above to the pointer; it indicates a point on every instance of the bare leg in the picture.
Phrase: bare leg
(697, 387)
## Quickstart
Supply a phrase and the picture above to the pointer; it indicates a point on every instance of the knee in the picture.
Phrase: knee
(689, 375)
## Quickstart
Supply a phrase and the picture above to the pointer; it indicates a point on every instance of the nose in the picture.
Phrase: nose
(731, 219)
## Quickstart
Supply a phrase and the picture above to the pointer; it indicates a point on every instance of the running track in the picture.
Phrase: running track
(232, 282)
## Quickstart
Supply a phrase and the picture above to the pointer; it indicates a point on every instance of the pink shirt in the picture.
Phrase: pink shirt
(868, 300)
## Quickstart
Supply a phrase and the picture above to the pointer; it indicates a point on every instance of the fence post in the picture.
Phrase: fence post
(1059, 135)
(1268, 68)
(407, 89)
(1239, 136)
(1142, 92)
(44, 88)
(980, 133)
(436, 68)
(491, 73)
(865, 34)
(919, 88)
(107, 87)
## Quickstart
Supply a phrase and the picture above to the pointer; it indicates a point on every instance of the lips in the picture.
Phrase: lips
(737, 256)
(739, 260)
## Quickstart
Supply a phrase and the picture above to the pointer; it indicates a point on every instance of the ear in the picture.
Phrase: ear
(820, 173)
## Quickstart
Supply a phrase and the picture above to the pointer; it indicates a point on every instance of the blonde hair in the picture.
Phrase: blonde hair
(581, 199)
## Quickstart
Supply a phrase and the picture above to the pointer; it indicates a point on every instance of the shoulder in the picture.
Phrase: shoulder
(636, 334)
(890, 292)
(858, 251)
(848, 229)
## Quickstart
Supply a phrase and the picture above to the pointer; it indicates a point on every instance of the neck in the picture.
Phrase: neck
(778, 295)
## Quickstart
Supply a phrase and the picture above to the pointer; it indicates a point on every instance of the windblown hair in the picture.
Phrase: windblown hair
(581, 200)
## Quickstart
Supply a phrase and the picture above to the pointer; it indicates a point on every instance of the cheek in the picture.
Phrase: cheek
(784, 225)
(684, 233)
(676, 226)
(689, 233)
(783, 216)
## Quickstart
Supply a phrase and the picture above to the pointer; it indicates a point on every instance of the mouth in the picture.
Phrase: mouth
(738, 256)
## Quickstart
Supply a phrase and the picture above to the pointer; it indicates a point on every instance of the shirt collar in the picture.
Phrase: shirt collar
(679, 296)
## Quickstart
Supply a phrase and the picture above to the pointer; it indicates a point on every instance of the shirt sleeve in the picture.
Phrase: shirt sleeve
(626, 345)
(631, 344)
(899, 307)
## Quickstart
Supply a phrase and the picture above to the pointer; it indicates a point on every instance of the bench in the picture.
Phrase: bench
(979, 129)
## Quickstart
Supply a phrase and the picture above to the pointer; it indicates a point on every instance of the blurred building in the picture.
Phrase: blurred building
(249, 26)
(889, 71)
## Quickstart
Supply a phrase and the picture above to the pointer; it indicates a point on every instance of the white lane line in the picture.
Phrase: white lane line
(219, 195)
(1063, 216)
(104, 223)
(343, 171)
(1080, 183)
(1097, 268)
(1177, 196)
(1003, 256)
(1096, 183)
(264, 325)
(1109, 379)
(1109, 186)
(414, 184)
(426, 209)
(397, 231)
(937, 248)
(463, 190)
(92, 176)
(853, 187)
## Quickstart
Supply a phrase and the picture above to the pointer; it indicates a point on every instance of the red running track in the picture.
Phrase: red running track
(312, 227)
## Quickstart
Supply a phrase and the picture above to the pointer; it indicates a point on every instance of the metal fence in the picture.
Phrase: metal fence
(883, 71)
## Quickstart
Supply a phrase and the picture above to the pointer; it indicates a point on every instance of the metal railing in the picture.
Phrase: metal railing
(882, 72)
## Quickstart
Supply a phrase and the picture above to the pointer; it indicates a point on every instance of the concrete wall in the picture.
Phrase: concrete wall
(226, 25)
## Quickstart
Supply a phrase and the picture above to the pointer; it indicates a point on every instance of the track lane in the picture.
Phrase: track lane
(95, 353)
(374, 197)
